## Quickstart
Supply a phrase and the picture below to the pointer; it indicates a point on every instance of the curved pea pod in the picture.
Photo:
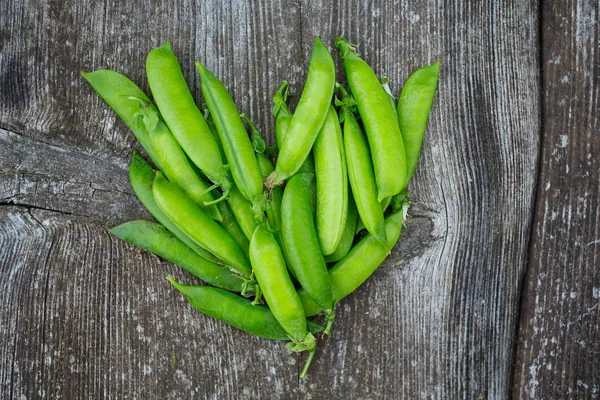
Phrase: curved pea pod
(283, 117)
(138, 112)
(141, 177)
(348, 236)
(158, 240)
(177, 168)
(276, 194)
(202, 229)
(360, 263)
(302, 244)
(413, 109)
(182, 115)
(309, 114)
(379, 120)
(236, 311)
(332, 183)
(242, 209)
(277, 288)
(124, 97)
(361, 176)
(234, 138)
(386, 87)
(233, 227)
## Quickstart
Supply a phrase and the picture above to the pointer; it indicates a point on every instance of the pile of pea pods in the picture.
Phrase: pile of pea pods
(274, 243)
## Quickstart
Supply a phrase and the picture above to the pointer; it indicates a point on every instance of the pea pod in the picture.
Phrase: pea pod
(308, 116)
(242, 209)
(413, 109)
(182, 115)
(302, 244)
(233, 227)
(236, 144)
(360, 263)
(158, 240)
(386, 87)
(141, 176)
(202, 229)
(120, 94)
(360, 172)
(274, 210)
(277, 288)
(348, 236)
(283, 117)
(236, 311)
(379, 120)
(332, 183)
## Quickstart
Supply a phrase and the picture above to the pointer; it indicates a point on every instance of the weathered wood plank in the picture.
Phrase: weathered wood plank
(37, 174)
(558, 349)
(440, 323)
(436, 321)
(99, 320)
(86, 315)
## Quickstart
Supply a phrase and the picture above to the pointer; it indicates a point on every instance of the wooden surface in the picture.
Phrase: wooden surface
(493, 289)
(558, 349)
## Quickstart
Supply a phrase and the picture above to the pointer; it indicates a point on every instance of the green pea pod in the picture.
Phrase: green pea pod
(379, 120)
(274, 210)
(185, 120)
(120, 94)
(302, 244)
(360, 263)
(332, 183)
(281, 112)
(413, 111)
(177, 168)
(348, 236)
(236, 311)
(360, 172)
(234, 138)
(390, 98)
(158, 240)
(276, 195)
(278, 290)
(309, 115)
(242, 209)
(283, 117)
(141, 176)
(202, 229)
(233, 227)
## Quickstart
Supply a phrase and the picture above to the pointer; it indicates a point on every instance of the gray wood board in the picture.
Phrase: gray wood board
(558, 350)
(89, 316)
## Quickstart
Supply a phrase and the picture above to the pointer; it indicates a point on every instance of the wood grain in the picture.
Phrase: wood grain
(558, 350)
(88, 316)
(440, 324)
